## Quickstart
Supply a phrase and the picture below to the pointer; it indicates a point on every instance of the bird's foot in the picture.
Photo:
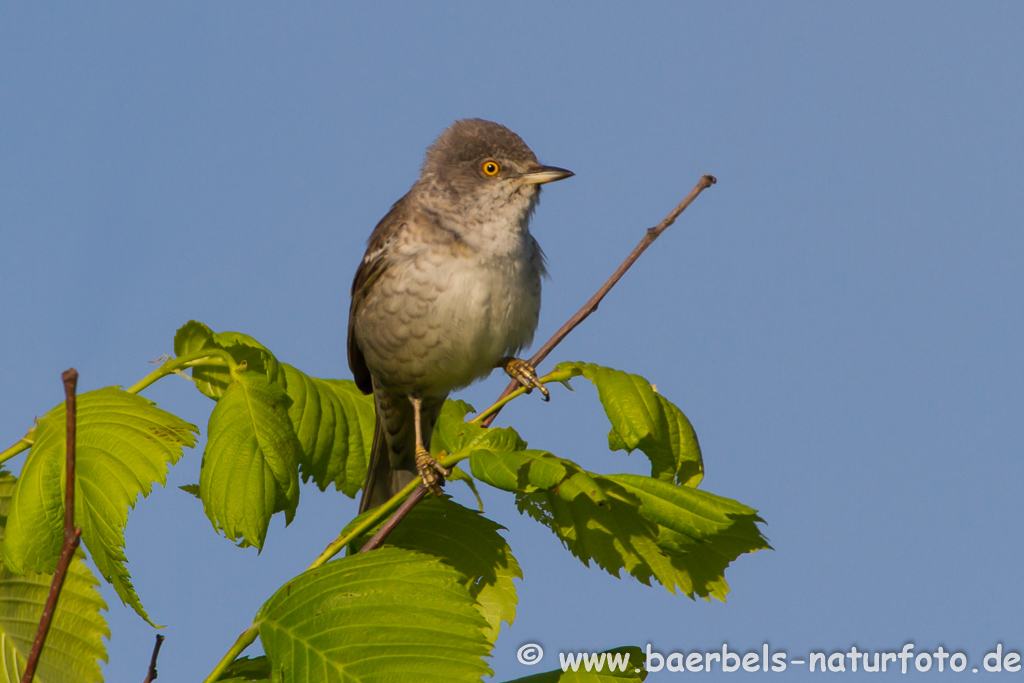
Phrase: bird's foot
(524, 373)
(431, 471)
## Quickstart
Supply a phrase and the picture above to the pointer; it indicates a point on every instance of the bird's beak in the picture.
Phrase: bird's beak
(544, 174)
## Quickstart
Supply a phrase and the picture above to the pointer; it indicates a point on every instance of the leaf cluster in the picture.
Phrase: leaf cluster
(429, 605)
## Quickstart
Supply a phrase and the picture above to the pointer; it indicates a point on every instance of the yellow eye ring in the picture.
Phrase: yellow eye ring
(490, 168)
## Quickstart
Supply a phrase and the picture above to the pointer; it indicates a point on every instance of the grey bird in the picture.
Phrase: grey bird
(449, 289)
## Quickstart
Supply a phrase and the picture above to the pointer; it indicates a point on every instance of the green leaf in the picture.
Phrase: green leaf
(458, 474)
(250, 467)
(642, 418)
(331, 418)
(124, 444)
(627, 662)
(677, 535)
(711, 530)
(75, 640)
(247, 669)
(334, 423)
(387, 615)
(191, 489)
(530, 470)
(455, 436)
(469, 542)
(214, 377)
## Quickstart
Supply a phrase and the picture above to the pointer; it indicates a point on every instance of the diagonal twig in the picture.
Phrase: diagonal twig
(72, 534)
(378, 538)
(652, 234)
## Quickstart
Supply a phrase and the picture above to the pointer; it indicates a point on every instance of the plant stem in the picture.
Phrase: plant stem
(180, 363)
(22, 445)
(167, 368)
(372, 519)
(243, 641)
(414, 498)
(377, 514)
(553, 376)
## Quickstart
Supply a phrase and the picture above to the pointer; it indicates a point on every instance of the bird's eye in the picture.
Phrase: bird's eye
(490, 168)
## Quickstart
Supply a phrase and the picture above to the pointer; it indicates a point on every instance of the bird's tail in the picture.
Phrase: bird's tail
(392, 463)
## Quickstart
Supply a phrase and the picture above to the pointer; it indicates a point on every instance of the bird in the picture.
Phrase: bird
(448, 290)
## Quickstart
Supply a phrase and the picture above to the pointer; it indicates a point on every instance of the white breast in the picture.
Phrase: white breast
(447, 311)
(492, 304)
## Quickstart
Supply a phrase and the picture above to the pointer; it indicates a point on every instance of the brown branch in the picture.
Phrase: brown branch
(408, 504)
(652, 234)
(72, 534)
(151, 676)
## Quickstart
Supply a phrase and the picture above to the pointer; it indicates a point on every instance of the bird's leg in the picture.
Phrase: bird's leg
(431, 471)
(524, 373)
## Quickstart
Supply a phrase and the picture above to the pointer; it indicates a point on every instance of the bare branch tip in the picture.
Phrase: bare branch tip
(152, 674)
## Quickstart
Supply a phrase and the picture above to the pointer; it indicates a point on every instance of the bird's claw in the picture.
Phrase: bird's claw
(524, 373)
(431, 471)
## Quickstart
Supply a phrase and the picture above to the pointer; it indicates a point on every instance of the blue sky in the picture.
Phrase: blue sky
(840, 317)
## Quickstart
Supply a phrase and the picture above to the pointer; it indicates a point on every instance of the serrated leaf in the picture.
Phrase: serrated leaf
(469, 542)
(213, 378)
(642, 418)
(681, 537)
(706, 532)
(250, 467)
(191, 489)
(691, 555)
(613, 535)
(75, 640)
(334, 423)
(617, 665)
(387, 615)
(124, 444)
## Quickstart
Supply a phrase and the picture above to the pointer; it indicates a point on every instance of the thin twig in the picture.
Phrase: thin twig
(378, 538)
(72, 534)
(151, 676)
(652, 234)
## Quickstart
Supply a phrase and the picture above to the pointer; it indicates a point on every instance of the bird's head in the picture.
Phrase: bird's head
(476, 162)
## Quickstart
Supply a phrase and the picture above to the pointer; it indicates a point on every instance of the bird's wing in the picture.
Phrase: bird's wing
(373, 265)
